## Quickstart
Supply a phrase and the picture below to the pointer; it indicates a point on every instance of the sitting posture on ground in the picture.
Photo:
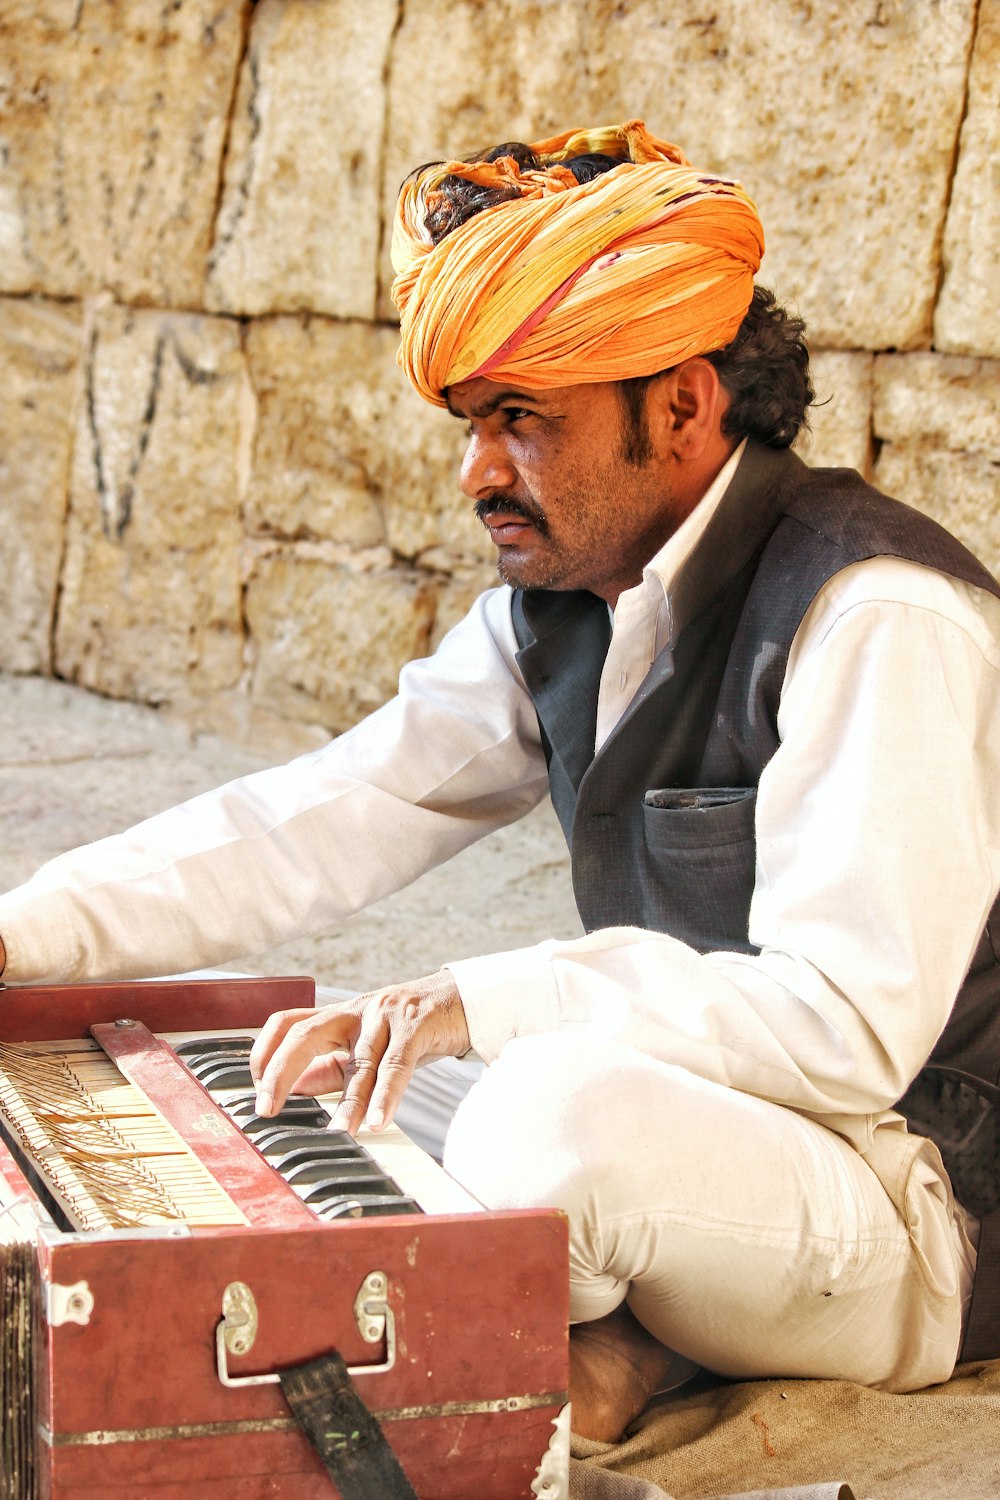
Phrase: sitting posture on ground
(765, 702)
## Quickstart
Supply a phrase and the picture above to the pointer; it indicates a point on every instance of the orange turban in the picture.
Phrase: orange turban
(566, 283)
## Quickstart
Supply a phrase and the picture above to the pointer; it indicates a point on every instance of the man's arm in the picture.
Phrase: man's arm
(879, 857)
(454, 756)
(878, 826)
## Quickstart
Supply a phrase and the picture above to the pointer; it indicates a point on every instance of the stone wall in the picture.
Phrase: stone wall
(219, 493)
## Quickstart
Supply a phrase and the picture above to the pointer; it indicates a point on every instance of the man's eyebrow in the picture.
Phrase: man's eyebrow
(489, 405)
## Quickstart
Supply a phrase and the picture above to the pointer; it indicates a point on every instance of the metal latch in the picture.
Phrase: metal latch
(69, 1304)
(237, 1330)
(371, 1309)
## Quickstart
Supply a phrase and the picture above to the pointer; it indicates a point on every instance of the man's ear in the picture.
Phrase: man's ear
(685, 406)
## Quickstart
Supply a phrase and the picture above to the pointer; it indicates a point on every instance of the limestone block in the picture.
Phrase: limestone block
(39, 353)
(466, 75)
(427, 517)
(150, 604)
(967, 319)
(329, 641)
(840, 416)
(943, 402)
(313, 438)
(299, 223)
(840, 121)
(456, 596)
(347, 452)
(958, 489)
(111, 143)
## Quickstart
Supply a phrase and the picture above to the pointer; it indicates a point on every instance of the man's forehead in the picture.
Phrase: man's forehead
(479, 397)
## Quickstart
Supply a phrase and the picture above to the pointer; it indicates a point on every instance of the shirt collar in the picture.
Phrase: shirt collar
(676, 550)
(660, 573)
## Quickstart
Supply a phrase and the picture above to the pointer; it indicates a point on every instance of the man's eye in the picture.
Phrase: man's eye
(517, 413)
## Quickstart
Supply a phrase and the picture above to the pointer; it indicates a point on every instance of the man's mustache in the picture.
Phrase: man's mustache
(510, 506)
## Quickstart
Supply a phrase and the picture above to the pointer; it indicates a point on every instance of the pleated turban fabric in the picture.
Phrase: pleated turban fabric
(568, 283)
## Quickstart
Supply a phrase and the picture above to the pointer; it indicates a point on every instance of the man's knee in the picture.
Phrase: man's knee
(528, 1134)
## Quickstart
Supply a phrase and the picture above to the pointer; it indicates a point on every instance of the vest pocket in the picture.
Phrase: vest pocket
(699, 864)
(692, 817)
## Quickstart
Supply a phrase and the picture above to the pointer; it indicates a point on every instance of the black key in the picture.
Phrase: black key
(229, 1073)
(297, 1111)
(242, 1104)
(372, 1183)
(342, 1208)
(323, 1169)
(201, 1046)
(313, 1114)
(277, 1142)
(305, 1112)
(366, 1208)
(332, 1157)
(203, 1060)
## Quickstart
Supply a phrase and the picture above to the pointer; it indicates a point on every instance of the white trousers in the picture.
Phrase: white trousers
(751, 1240)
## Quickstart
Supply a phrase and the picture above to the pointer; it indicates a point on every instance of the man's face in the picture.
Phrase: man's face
(553, 485)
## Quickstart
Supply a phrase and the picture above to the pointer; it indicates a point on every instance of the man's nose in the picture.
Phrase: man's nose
(485, 467)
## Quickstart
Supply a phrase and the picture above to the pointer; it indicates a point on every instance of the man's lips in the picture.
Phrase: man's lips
(506, 529)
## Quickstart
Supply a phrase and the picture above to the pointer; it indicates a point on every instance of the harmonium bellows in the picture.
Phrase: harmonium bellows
(167, 1257)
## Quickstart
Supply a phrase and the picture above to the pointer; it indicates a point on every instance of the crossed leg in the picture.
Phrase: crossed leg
(704, 1223)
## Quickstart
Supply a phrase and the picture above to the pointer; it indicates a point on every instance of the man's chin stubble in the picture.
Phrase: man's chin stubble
(521, 577)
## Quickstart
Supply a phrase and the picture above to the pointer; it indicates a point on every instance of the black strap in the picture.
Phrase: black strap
(348, 1439)
(982, 1331)
(961, 1114)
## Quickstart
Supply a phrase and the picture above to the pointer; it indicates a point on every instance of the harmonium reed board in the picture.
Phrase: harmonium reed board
(164, 1253)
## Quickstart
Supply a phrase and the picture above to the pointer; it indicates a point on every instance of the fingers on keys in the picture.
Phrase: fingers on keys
(289, 1042)
(376, 1073)
(372, 1042)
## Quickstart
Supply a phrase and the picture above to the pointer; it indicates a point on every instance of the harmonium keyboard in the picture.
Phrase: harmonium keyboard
(165, 1254)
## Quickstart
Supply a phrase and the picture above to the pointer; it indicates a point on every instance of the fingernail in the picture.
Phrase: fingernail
(265, 1102)
(376, 1119)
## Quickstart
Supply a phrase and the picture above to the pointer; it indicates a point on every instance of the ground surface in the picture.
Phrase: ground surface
(75, 767)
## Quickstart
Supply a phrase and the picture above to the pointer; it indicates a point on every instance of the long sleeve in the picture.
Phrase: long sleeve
(455, 755)
(878, 859)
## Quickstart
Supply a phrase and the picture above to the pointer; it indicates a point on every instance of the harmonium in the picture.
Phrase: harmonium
(170, 1264)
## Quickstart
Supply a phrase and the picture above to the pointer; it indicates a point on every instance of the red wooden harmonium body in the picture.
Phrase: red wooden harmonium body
(140, 1335)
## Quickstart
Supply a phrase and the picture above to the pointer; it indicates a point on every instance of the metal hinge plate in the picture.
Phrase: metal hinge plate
(237, 1331)
(68, 1304)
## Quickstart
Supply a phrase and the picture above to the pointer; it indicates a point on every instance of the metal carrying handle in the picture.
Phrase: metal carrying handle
(237, 1330)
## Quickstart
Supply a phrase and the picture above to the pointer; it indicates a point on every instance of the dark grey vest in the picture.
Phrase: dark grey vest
(780, 532)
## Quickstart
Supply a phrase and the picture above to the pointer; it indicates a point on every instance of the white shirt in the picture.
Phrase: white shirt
(641, 621)
(878, 850)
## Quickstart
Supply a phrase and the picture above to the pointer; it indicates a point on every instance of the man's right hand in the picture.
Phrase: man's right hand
(368, 1046)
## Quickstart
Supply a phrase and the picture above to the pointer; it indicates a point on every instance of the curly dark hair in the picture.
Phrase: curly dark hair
(764, 368)
(765, 371)
(459, 200)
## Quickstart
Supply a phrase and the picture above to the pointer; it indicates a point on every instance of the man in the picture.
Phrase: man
(766, 704)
